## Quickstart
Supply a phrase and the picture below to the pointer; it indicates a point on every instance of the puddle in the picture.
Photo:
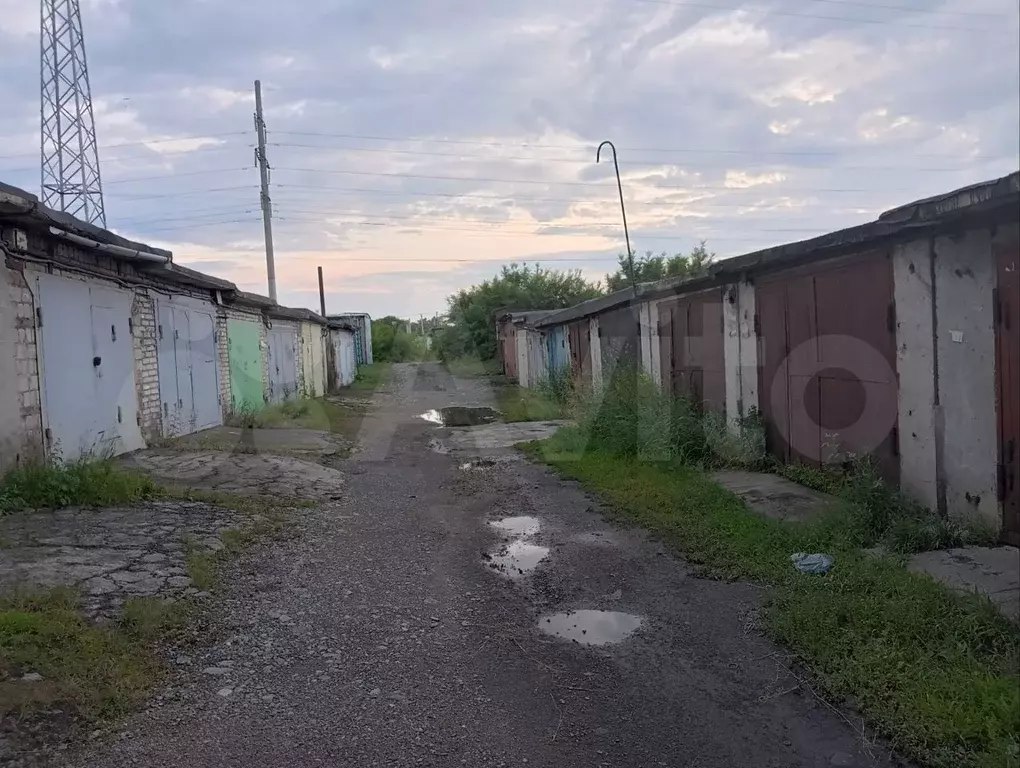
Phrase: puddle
(518, 526)
(517, 559)
(461, 416)
(478, 464)
(591, 627)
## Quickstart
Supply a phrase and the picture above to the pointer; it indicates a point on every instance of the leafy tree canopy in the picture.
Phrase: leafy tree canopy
(649, 267)
(519, 287)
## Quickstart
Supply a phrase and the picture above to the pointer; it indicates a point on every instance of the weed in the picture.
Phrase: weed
(87, 482)
(371, 377)
(202, 565)
(95, 671)
(521, 404)
(245, 417)
(934, 671)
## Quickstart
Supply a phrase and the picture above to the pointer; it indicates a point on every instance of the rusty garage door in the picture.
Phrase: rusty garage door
(1007, 366)
(827, 362)
(580, 352)
(691, 349)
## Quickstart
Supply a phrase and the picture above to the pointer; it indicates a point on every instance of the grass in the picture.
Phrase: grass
(370, 377)
(87, 483)
(936, 672)
(519, 404)
(95, 672)
(473, 367)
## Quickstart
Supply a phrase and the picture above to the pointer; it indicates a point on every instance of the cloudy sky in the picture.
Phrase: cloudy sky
(418, 144)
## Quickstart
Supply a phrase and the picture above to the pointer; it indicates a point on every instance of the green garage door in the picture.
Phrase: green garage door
(245, 356)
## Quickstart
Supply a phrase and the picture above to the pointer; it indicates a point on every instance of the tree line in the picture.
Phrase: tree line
(469, 328)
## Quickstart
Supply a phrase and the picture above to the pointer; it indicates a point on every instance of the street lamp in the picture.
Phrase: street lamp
(623, 210)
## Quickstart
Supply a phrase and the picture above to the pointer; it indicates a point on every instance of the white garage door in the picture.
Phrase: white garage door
(88, 381)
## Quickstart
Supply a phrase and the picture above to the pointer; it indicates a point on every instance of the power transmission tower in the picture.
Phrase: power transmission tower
(70, 155)
(267, 203)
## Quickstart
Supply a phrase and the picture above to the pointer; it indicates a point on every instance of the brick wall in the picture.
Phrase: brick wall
(143, 321)
(21, 435)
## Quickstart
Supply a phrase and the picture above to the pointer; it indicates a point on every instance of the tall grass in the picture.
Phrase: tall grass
(633, 418)
(86, 482)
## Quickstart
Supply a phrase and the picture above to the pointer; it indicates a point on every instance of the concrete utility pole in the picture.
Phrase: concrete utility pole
(267, 204)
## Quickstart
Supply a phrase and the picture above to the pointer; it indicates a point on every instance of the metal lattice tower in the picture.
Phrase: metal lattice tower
(70, 155)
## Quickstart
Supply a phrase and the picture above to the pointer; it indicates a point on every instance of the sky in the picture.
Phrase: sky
(418, 145)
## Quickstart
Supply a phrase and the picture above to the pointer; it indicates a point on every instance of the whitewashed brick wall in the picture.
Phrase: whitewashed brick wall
(26, 442)
(143, 322)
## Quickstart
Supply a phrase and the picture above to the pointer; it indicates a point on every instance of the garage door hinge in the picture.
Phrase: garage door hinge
(138, 419)
(159, 330)
(890, 317)
(120, 415)
(757, 325)
(131, 326)
(38, 317)
(177, 334)
(1001, 482)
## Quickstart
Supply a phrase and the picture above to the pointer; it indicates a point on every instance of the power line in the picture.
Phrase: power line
(303, 188)
(146, 143)
(586, 147)
(842, 19)
(537, 159)
(913, 9)
(179, 175)
(530, 181)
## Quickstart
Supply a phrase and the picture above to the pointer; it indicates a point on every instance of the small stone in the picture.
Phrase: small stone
(843, 759)
(216, 671)
(32, 677)
(154, 557)
(225, 692)
(374, 692)
(178, 582)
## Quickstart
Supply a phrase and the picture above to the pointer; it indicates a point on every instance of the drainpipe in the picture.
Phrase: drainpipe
(113, 250)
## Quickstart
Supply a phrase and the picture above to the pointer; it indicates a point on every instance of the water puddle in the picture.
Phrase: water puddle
(518, 526)
(478, 464)
(591, 627)
(517, 558)
(461, 416)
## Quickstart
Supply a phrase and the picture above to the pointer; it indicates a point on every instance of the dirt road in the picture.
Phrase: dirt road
(381, 635)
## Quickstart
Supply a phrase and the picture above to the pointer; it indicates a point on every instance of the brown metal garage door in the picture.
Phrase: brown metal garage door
(579, 334)
(827, 362)
(691, 351)
(1007, 364)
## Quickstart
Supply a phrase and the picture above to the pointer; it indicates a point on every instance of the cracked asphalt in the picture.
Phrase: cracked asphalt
(378, 635)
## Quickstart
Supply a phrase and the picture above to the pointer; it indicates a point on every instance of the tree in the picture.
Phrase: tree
(471, 327)
(649, 268)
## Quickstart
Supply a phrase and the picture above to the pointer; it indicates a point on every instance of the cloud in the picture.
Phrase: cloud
(417, 145)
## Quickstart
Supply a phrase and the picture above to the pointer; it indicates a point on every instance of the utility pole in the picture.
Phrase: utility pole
(322, 295)
(267, 204)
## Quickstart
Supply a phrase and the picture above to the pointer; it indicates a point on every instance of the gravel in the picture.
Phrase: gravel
(377, 636)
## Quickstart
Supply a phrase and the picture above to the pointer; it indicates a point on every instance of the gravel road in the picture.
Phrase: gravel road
(382, 634)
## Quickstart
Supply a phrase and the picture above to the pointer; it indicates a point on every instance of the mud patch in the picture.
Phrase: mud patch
(517, 559)
(591, 627)
(461, 416)
(521, 525)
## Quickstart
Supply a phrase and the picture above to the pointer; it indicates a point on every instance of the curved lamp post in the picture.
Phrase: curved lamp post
(623, 210)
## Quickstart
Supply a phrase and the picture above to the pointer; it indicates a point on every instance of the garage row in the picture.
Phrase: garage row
(106, 344)
(898, 339)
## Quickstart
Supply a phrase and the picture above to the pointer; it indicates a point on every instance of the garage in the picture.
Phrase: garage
(1007, 366)
(827, 356)
(691, 349)
(283, 340)
(186, 351)
(87, 368)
